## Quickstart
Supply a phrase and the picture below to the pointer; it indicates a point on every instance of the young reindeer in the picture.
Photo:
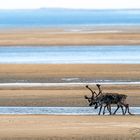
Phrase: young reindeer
(107, 99)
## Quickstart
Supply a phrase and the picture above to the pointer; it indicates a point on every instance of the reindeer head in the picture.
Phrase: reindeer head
(96, 105)
(88, 98)
(91, 100)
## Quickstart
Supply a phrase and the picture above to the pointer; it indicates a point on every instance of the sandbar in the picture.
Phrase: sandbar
(115, 35)
(40, 127)
(56, 72)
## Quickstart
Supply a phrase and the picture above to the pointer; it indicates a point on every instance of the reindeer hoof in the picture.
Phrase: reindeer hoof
(131, 114)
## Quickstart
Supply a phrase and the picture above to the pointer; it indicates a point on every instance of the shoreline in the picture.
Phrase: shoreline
(69, 85)
(134, 28)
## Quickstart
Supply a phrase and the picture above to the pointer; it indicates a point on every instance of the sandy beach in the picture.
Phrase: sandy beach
(118, 35)
(40, 127)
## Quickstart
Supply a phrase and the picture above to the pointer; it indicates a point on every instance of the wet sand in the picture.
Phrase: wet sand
(56, 72)
(40, 127)
(116, 35)
(63, 97)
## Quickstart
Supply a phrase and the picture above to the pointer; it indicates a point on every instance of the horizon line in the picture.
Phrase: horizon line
(86, 9)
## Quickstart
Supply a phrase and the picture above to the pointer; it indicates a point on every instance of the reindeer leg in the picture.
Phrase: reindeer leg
(129, 110)
(118, 106)
(104, 109)
(100, 109)
(122, 110)
(126, 108)
(109, 109)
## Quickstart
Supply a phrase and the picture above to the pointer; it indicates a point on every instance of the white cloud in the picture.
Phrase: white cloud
(86, 4)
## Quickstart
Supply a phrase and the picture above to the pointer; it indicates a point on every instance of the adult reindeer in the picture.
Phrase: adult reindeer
(107, 99)
(114, 98)
(93, 99)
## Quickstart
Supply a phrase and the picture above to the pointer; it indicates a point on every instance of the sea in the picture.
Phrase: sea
(46, 17)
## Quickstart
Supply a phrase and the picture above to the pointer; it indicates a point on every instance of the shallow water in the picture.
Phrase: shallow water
(72, 84)
(71, 54)
(59, 110)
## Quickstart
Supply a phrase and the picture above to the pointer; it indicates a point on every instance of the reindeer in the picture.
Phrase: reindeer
(107, 99)
(115, 98)
(92, 100)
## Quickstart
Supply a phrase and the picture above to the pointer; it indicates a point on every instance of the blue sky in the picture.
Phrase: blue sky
(77, 4)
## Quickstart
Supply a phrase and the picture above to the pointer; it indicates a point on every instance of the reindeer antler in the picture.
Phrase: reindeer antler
(93, 92)
(99, 88)
(98, 85)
